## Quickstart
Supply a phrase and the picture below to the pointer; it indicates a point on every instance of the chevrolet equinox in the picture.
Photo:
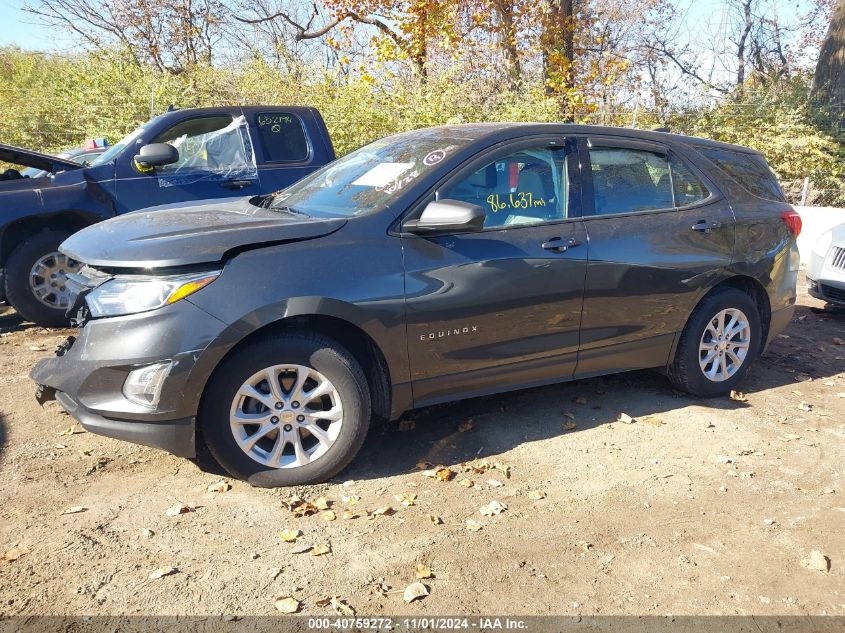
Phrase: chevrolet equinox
(425, 267)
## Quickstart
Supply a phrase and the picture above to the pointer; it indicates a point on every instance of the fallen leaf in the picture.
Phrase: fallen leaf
(350, 500)
(738, 396)
(466, 483)
(74, 429)
(424, 466)
(444, 474)
(146, 532)
(321, 503)
(494, 483)
(348, 514)
(329, 515)
(423, 571)
(161, 572)
(536, 495)
(75, 510)
(220, 486)
(788, 437)
(178, 509)
(569, 426)
(492, 508)
(414, 592)
(287, 604)
(503, 468)
(625, 418)
(474, 526)
(653, 420)
(805, 406)
(289, 536)
(407, 499)
(319, 550)
(324, 602)
(386, 511)
(435, 519)
(465, 427)
(341, 607)
(15, 553)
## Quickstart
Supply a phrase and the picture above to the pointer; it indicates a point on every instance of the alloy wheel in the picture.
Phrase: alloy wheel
(724, 344)
(48, 279)
(286, 416)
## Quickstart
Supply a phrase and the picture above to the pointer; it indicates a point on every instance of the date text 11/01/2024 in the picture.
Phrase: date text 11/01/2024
(414, 624)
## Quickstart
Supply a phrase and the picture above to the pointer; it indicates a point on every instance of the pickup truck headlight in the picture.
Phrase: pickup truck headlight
(129, 295)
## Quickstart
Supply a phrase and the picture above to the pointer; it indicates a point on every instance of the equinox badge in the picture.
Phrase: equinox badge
(450, 332)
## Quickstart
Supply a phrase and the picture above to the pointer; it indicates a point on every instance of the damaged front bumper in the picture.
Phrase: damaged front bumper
(88, 374)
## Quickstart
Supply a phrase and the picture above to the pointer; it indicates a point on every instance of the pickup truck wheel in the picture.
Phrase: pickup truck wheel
(286, 410)
(719, 342)
(36, 274)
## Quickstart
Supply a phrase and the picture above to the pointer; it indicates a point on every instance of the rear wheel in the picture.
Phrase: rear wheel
(286, 410)
(36, 279)
(721, 339)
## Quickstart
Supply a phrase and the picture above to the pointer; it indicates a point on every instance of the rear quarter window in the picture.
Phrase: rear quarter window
(282, 137)
(749, 170)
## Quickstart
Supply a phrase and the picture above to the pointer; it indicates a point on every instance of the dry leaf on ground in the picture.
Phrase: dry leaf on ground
(536, 495)
(146, 532)
(75, 510)
(406, 499)
(738, 396)
(474, 526)
(289, 536)
(348, 514)
(15, 553)
(341, 607)
(625, 418)
(321, 503)
(435, 519)
(286, 604)
(444, 474)
(161, 572)
(415, 591)
(423, 571)
(220, 486)
(320, 550)
(387, 511)
(466, 483)
(74, 429)
(178, 509)
(329, 515)
(492, 508)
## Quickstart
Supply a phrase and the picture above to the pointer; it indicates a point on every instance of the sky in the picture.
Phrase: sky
(22, 29)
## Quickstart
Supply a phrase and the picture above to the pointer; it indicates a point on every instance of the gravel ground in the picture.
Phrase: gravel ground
(697, 507)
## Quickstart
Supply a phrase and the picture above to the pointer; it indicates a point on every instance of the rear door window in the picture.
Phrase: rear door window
(748, 169)
(628, 180)
(282, 137)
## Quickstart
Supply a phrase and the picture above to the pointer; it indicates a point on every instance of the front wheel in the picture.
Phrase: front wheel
(36, 279)
(721, 339)
(285, 410)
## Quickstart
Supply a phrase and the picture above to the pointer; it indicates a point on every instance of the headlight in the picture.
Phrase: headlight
(128, 295)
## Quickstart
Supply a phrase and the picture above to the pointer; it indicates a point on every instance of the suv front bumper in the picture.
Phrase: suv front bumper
(88, 374)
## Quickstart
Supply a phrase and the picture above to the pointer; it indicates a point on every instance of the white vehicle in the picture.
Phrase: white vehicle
(826, 272)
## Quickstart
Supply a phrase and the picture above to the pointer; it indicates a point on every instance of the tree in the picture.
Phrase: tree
(171, 35)
(829, 81)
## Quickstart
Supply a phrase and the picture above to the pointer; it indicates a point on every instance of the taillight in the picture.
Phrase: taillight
(792, 221)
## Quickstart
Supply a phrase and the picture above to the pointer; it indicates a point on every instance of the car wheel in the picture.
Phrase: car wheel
(286, 410)
(36, 276)
(719, 342)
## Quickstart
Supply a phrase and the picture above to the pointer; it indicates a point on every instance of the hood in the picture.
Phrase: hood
(28, 158)
(181, 235)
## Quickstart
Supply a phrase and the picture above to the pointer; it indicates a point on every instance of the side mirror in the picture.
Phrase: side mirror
(156, 155)
(447, 216)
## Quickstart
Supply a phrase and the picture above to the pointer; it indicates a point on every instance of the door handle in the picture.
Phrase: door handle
(703, 226)
(236, 184)
(559, 245)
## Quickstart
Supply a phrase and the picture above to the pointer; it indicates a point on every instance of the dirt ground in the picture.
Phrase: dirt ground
(697, 507)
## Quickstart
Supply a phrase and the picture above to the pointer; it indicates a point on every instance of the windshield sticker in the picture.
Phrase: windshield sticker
(382, 175)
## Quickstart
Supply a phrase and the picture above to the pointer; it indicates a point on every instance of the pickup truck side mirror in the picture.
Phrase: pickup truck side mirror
(156, 155)
(447, 216)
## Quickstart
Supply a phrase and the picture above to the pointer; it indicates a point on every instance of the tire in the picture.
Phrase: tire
(19, 268)
(686, 371)
(292, 354)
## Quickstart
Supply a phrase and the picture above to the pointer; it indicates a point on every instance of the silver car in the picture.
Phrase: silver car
(826, 272)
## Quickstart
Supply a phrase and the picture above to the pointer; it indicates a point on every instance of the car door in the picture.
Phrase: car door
(285, 152)
(659, 232)
(216, 160)
(500, 308)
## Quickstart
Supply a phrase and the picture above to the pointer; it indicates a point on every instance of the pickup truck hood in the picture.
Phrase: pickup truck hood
(181, 235)
(28, 158)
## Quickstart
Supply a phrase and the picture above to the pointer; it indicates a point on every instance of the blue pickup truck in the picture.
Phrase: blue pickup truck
(178, 156)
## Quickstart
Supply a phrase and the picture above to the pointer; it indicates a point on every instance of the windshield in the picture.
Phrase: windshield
(115, 149)
(366, 180)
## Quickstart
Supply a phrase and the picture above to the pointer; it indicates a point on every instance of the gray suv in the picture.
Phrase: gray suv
(426, 267)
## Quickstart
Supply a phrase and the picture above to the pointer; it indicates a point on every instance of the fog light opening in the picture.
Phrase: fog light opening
(143, 385)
